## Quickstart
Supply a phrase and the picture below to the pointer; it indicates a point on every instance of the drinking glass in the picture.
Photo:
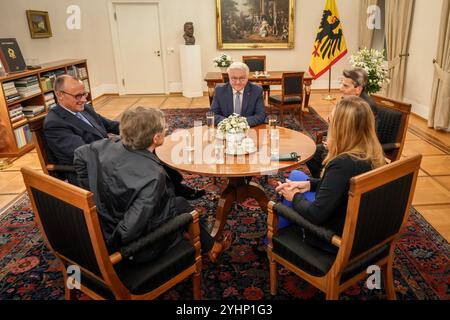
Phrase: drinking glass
(210, 119)
(274, 142)
(272, 120)
(219, 153)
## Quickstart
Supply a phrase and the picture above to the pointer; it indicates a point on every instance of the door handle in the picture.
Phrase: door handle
(158, 53)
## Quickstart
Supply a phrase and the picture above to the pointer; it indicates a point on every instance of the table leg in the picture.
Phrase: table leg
(237, 190)
(307, 83)
(211, 89)
(227, 198)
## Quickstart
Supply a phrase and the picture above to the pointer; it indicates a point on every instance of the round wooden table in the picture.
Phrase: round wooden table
(198, 158)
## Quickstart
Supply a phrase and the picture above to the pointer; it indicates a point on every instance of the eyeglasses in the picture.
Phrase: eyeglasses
(79, 96)
(238, 79)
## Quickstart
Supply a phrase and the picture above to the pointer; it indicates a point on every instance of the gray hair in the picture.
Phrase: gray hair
(238, 66)
(61, 80)
(139, 125)
(358, 76)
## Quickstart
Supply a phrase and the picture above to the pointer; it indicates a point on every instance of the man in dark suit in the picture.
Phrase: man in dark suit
(73, 123)
(239, 96)
(353, 83)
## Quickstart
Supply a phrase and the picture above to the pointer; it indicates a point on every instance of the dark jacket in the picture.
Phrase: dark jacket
(64, 132)
(330, 206)
(372, 104)
(252, 103)
(133, 193)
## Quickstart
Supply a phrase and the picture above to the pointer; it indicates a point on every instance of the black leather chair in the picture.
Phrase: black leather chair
(68, 221)
(257, 63)
(225, 77)
(291, 95)
(392, 125)
(378, 208)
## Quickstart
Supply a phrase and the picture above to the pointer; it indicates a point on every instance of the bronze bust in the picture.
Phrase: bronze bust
(189, 33)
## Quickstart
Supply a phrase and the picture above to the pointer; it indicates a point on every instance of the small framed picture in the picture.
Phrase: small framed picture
(39, 24)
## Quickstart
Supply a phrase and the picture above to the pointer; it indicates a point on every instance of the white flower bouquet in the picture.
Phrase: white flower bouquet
(223, 61)
(233, 124)
(372, 61)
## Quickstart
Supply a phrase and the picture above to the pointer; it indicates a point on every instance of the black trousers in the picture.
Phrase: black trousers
(157, 249)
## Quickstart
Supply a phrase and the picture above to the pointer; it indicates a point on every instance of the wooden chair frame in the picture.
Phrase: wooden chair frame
(331, 282)
(37, 131)
(83, 200)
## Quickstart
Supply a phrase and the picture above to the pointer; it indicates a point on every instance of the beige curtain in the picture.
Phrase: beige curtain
(365, 34)
(398, 22)
(439, 116)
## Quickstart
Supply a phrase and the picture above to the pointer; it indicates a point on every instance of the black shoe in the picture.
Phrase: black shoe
(189, 193)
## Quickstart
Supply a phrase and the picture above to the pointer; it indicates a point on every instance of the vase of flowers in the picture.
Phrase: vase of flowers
(372, 61)
(233, 129)
(223, 61)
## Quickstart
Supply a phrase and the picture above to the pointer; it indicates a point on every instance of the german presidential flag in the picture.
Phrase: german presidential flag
(330, 45)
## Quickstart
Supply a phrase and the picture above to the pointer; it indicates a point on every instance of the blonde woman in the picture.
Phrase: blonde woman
(353, 148)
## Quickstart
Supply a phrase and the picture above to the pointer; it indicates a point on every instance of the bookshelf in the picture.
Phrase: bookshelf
(21, 92)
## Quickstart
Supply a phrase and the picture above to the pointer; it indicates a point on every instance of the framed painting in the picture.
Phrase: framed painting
(39, 24)
(255, 24)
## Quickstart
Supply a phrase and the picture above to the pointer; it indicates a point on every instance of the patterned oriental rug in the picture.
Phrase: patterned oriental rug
(28, 270)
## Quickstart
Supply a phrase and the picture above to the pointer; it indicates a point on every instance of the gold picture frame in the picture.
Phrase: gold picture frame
(39, 24)
(255, 24)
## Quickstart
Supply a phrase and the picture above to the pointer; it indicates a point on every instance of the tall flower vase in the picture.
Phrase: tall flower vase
(223, 69)
(233, 140)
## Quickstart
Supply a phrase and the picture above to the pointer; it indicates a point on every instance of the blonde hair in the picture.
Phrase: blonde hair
(139, 125)
(352, 132)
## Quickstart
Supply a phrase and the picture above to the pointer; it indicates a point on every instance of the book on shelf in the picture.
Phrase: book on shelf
(16, 113)
(50, 103)
(78, 72)
(86, 85)
(23, 135)
(16, 108)
(10, 91)
(27, 86)
(49, 96)
(11, 56)
(17, 118)
(31, 111)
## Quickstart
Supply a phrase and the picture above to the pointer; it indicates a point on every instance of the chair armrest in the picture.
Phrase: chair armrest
(293, 216)
(320, 135)
(159, 233)
(60, 168)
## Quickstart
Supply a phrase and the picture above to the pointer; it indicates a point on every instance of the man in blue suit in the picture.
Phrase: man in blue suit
(239, 96)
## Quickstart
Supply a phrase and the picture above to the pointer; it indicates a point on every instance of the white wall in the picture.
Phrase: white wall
(422, 50)
(307, 18)
(94, 40)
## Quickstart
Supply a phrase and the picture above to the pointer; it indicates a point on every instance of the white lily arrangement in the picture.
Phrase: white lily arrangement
(372, 61)
(233, 124)
(222, 61)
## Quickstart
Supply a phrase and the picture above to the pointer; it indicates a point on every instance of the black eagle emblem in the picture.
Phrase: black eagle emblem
(332, 41)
